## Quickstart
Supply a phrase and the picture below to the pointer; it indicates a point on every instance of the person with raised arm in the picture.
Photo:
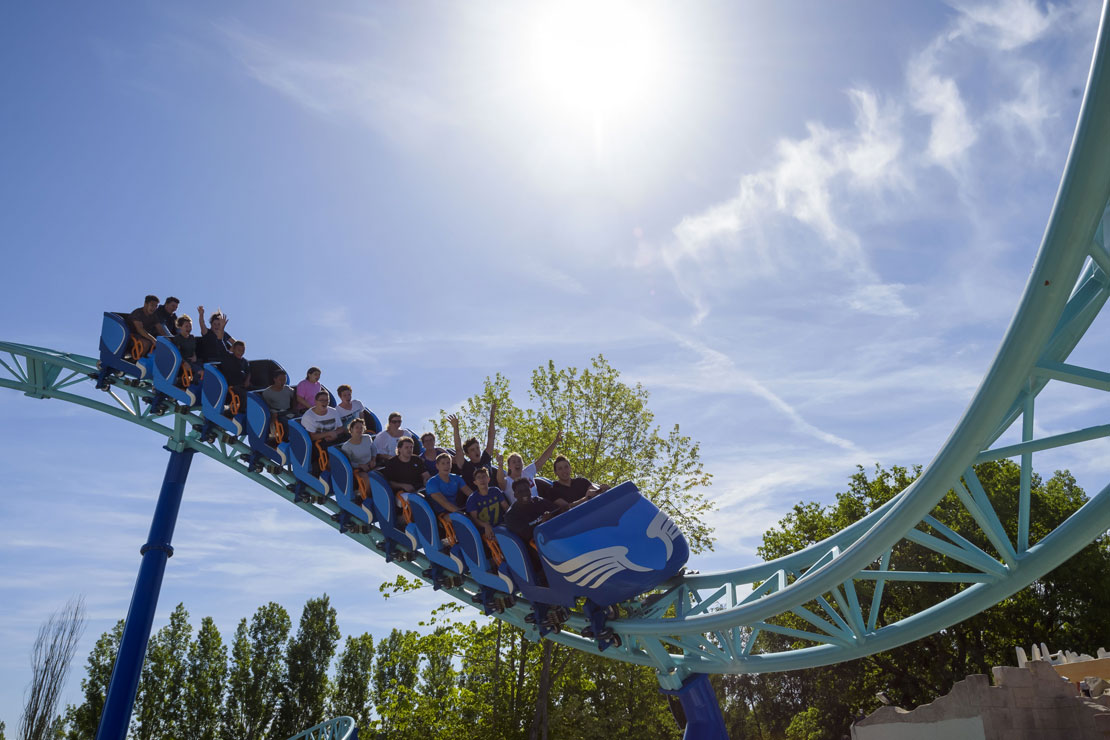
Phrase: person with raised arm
(486, 507)
(403, 471)
(517, 470)
(469, 456)
(215, 343)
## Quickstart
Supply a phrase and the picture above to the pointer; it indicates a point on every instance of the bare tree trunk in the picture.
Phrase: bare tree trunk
(50, 658)
(539, 718)
(497, 679)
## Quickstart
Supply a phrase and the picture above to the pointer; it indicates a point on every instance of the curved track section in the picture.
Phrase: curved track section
(339, 728)
(826, 599)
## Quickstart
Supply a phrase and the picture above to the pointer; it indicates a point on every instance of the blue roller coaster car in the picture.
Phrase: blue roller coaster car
(607, 550)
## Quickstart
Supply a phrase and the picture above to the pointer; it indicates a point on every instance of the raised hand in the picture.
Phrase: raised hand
(454, 419)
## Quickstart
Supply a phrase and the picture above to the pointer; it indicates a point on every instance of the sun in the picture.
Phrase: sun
(595, 60)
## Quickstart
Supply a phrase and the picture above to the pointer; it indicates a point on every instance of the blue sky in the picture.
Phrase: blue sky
(802, 226)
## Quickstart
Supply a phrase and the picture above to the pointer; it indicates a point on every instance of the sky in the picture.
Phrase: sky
(803, 227)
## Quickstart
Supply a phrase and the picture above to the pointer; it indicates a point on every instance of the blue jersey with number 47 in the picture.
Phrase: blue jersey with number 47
(487, 507)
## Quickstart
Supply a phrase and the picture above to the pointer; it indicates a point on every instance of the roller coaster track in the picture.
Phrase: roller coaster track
(826, 599)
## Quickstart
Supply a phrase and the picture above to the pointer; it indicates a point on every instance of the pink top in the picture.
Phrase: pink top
(307, 390)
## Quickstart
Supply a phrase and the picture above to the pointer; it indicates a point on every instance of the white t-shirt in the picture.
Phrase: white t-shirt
(529, 473)
(313, 422)
(349, 416)
(386, 444)
(360, 454)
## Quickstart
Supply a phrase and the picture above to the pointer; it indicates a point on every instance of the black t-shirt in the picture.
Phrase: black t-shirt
(577, 489)
(166, 318)
(149, 321)
(187, 346)
(468, 468)
(211, 348)
(236, 370)
(411, 472)
(522, 515)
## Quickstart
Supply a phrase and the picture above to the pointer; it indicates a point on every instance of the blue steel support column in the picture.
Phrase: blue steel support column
(699, 703)
(136, 631)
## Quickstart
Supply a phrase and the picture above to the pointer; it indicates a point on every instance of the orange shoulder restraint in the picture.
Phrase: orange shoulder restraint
(448, 530)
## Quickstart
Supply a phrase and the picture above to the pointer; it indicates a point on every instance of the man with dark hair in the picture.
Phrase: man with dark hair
(568, 488)
(145, 325)
(167, 314)
(279, 397)
(469, 456)
(215, 344)
(526, 513)
(403, 471)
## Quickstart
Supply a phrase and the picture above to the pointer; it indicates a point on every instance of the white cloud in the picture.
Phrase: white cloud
(1005, 25)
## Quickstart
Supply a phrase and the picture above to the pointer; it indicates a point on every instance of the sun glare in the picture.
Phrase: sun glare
(595, 60)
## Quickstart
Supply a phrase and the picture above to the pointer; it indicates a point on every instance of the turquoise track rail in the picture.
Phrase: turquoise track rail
(708, 623)
(339, 728)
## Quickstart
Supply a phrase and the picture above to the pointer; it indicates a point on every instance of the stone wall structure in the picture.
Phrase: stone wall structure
(1031, 703)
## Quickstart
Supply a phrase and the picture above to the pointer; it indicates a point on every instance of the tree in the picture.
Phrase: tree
(206, 671)
(51, 656)
(395, 673)
(234, 715)
(1069, 606)
(82, 720)
(257, 673)
(351, 696)
(609, 435)
(160, 699)
(307, 658)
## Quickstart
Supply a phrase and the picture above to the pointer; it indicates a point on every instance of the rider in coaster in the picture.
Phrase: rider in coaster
(145, 325)
(280, 397)
(449, 486)
(167, 314)
(186, 344)
(469, 456)
(404, 472)
(388, 440)
(322, 422)
(236, 370)
(359, 449)
(431, 453)
(526, 513)
(570, 489)
(486, 507)
(349, 407)
(308, 388)
(215, 343)
(442, 490)
(517, 470)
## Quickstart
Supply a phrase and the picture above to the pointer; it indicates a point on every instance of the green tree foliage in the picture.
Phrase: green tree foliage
(1069, 607)
(83, 719)
(351, 696)
(307, 658)
(395, 672)
(160, 701)
(257, 674)
(206, 672)
(609, 435)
